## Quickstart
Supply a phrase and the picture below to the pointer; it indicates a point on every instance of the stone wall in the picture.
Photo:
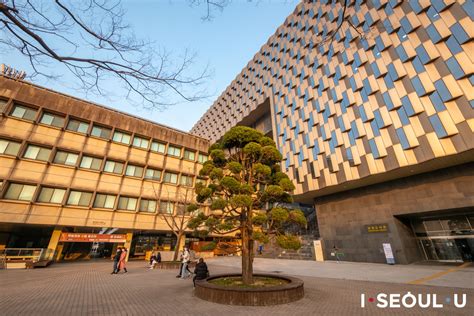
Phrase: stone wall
(343, 217)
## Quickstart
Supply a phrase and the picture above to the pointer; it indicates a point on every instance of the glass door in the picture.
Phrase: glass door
(447, 250)
(428, 248)
(442, 249)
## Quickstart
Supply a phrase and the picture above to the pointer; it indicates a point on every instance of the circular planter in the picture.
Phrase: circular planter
(274, 295)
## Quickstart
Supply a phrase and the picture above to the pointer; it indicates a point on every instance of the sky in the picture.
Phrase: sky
(226, 43)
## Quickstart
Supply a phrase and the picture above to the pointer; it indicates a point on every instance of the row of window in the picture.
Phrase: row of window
(8, 147)
(104, 132)
(26, 192)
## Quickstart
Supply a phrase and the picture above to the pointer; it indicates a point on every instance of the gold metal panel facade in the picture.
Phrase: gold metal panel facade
(394, 90)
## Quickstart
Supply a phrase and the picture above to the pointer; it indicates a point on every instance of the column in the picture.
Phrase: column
(128, 244)
(53, 243)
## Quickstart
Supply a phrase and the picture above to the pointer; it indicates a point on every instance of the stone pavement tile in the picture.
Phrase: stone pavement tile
(89, 289)
(361, 271)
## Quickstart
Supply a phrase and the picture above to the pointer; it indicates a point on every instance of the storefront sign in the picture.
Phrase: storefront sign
(85, 237)
(377, 228)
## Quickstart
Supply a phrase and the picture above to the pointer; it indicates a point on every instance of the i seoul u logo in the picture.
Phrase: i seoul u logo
(410, 300)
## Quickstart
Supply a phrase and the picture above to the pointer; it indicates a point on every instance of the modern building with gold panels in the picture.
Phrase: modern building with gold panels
(70, 166)
(371, 105)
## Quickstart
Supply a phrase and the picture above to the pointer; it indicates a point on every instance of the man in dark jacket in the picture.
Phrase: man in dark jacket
(116, 260)
(200, 272)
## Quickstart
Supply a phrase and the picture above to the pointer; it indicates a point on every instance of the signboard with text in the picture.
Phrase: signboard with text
(377, 228)
(87, 237)
(387, 249)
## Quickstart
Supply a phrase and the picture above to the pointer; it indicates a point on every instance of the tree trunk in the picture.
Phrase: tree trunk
(247, 256)
(176, 248)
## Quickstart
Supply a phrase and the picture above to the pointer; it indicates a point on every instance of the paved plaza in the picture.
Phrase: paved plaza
(87, 288)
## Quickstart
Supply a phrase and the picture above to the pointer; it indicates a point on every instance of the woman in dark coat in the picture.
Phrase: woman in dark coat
(200, 272)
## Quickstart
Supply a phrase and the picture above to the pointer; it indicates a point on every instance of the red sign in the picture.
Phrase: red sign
(85, 237)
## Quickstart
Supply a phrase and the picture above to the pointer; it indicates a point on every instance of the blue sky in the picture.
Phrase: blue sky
(226, 44)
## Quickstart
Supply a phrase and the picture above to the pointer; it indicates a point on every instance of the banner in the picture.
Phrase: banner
(86, 237)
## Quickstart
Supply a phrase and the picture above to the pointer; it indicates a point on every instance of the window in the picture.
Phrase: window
(174, 151)
(8, 147)
(158, 147)
(77, 126)
(186, 180)
(37, 153)
(3, 105)
(403, 138)
(79, 198)
(51, 195)
(374, 149)
(52, 119)
(170, 178)
(147, 206)
(140, 142)
(127, 203)
(166, 207)
(91, 163)
(100, 131)
(153, 174)
(20, 192)
(24, 112)
(134, 171)
(202, 158)
(189, 155)
(438, 126)
(121, 137)
(104, 200)
(180, 209)
(202, 181)
(66, 158)
(113, 167)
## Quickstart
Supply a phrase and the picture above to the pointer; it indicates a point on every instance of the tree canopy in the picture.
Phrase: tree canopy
(244, 190)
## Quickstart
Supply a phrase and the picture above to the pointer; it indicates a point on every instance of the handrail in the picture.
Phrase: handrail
(33, 254)
(22, 249)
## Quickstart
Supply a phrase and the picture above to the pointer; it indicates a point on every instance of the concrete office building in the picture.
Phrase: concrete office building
(373, 114)
(74, 174)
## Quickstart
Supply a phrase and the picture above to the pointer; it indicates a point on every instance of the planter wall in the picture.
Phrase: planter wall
(274, 295)
(173, 265)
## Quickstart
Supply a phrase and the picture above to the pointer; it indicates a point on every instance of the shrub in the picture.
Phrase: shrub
(288, 242)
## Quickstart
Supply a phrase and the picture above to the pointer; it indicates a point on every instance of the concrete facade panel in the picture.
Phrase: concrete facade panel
(77, 141)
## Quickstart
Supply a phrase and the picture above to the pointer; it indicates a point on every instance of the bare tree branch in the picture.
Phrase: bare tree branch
(210, 7)
(46, 32)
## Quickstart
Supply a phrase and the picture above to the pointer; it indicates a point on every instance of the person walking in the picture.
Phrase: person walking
(117, 260)
(201, 271)
(185, 261)
(123, 259)
(181, 263)
(336, 253)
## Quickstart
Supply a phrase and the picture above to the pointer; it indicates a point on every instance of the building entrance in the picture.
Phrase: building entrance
(448, 248)
(446, 238)
(85, 246)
